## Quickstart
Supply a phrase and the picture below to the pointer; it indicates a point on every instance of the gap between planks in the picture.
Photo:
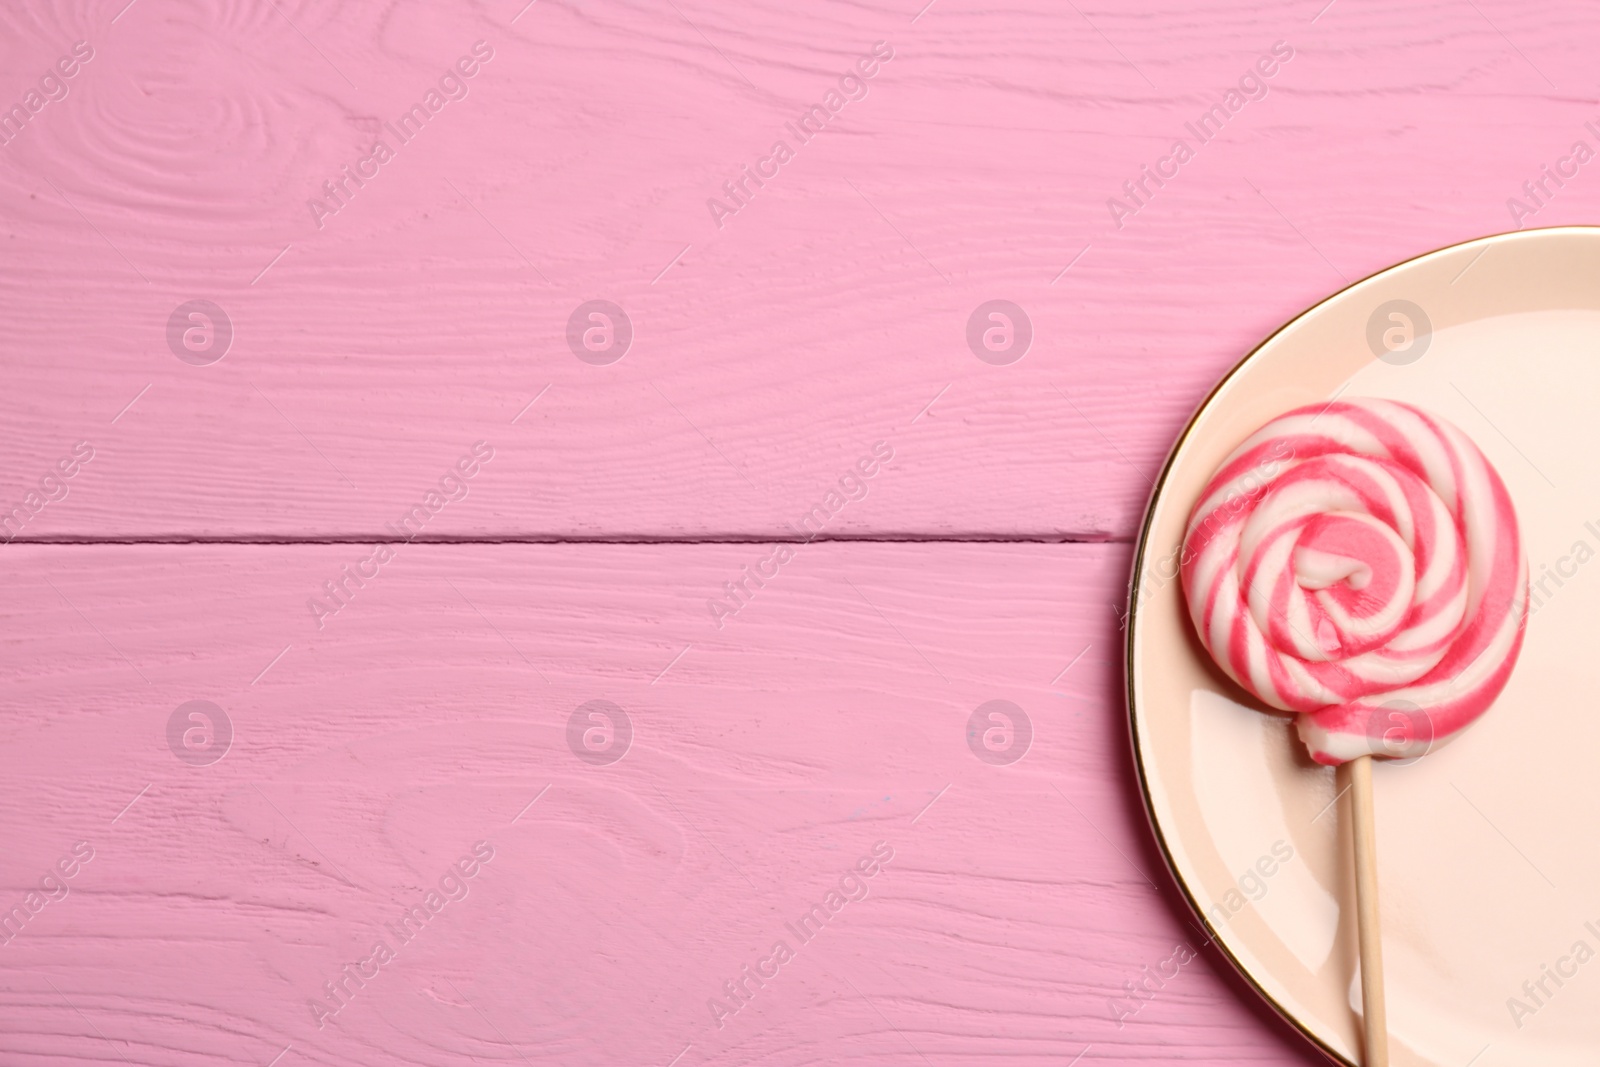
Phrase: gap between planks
(549, 539)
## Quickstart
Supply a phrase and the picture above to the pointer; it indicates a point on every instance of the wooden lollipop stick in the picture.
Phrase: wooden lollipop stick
(1366, 849)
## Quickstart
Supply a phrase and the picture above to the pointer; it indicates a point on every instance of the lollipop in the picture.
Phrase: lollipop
(1358, 563)
(1356, 558)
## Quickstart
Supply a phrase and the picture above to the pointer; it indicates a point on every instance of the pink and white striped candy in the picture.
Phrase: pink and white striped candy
(1359, 563)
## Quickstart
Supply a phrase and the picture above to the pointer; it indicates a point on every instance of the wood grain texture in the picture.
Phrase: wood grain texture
(765, 761)
(770, 352)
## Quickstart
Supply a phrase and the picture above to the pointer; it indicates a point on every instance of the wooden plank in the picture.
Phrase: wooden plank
(432, 712)
(372, 346)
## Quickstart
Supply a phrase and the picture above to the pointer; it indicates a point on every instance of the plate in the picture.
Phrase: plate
(1489, 846)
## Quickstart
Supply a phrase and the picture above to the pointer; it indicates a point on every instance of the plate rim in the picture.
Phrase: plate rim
(1141, 547)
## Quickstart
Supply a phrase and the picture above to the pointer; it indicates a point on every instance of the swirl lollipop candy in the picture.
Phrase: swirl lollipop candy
(1349, 560)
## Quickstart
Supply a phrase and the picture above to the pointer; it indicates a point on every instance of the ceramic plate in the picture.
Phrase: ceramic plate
(1489, 847)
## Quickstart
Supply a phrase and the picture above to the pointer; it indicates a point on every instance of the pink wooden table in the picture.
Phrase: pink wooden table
(399, 380)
